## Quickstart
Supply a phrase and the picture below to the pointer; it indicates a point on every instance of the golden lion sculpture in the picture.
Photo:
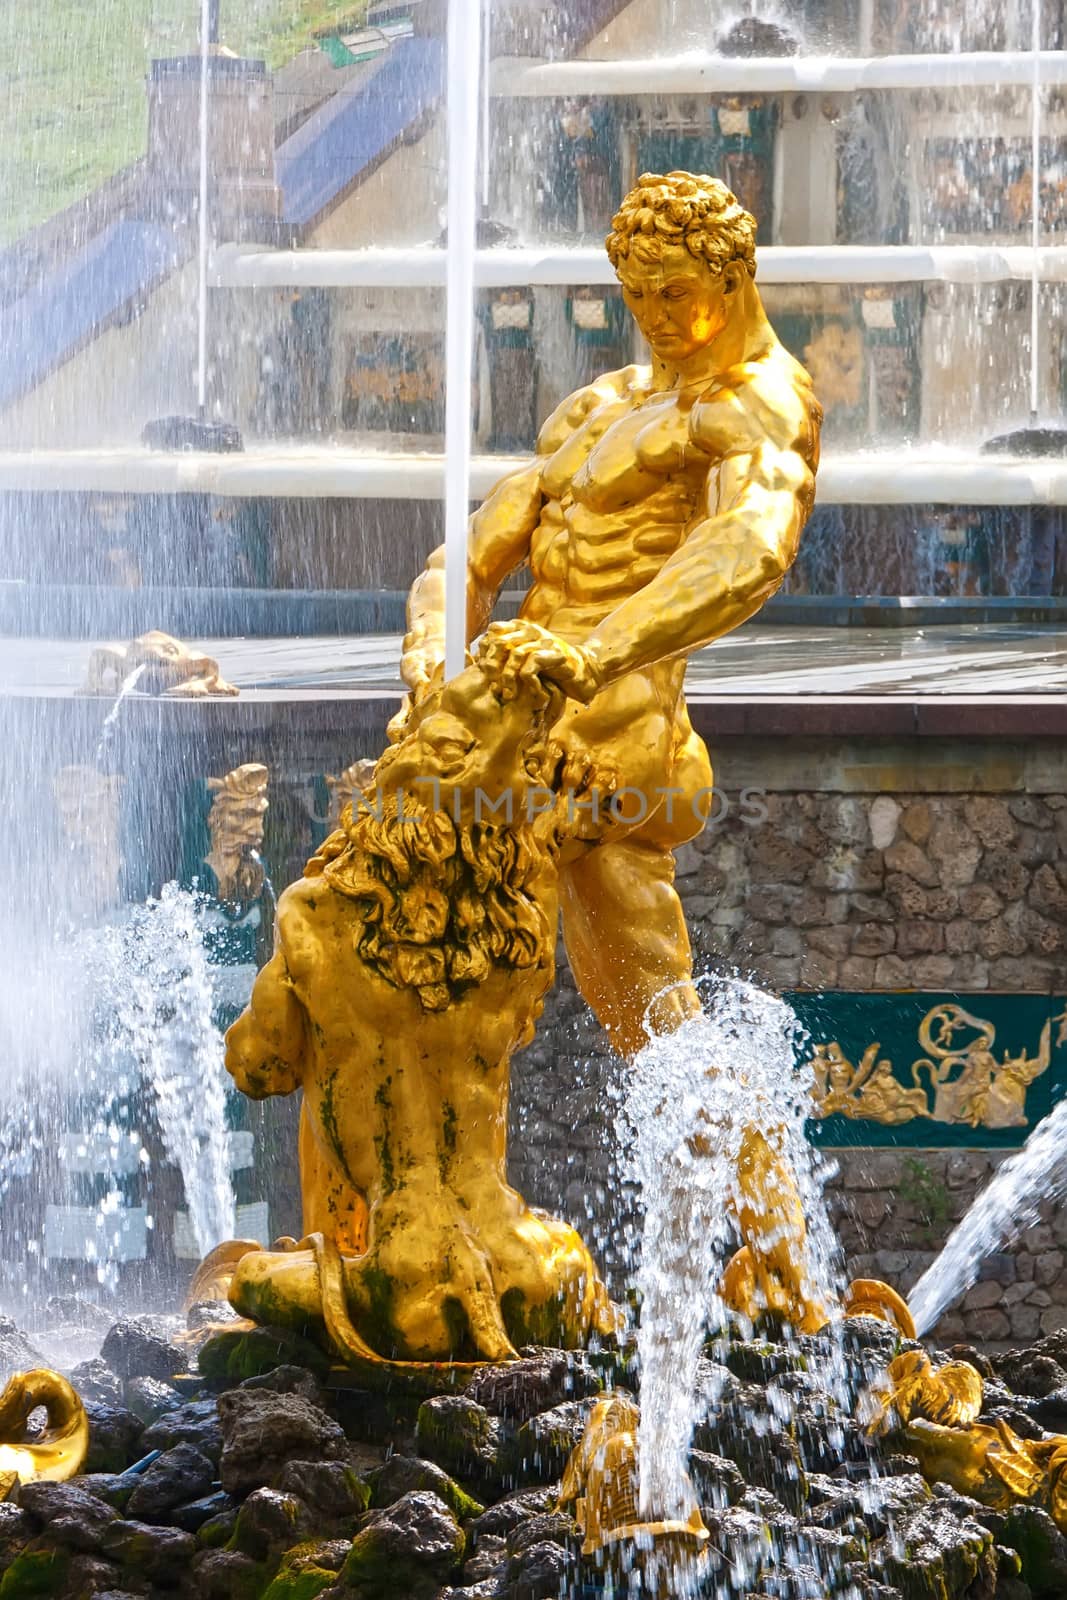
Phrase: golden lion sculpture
(167, 666)
(411, 961)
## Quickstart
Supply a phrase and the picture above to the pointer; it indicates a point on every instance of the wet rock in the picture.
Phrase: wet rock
(17, 1354)
(408, 1549)
(760, 1360)
(133, 1350)
(540, 1572)
(933, 1554)
(226, 1575)
(271, 1521)
(308, 1571)
(489, 1561)
(159, 1554)
(289, 1379)
(234, 1356)
(1051, 1411)
(1041, 1547)
(1031, 1372)
(717, 1482)
(15, 1529)
(552, 1527)
(210, 1315)
(149, 1398)
(507, 1514)
(460, 1434)
(540, 1448)
(542, 1380)
(37, 1571)
(263, 1431)
(332, 1489)
(71, 1517)
(174, 1478)
(402, 1475)
(196, 1423)
(113, 1487)
(218, 1529)
(195, 1513)
(96, 1383)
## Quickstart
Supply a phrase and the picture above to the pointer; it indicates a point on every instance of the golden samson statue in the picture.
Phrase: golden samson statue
(662, 508)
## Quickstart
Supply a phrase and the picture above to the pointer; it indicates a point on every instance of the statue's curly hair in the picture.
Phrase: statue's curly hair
(683, 208)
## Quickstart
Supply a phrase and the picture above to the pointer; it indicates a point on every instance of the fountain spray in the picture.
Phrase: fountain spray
(198, 433)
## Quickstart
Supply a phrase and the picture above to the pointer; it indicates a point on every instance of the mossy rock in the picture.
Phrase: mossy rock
(408, 1549)
(35, 1572)
(302, 1585)
(233, 1355)
(1042, 1549)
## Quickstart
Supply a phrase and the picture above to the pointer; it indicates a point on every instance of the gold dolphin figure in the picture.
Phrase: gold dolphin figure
(59, 1453)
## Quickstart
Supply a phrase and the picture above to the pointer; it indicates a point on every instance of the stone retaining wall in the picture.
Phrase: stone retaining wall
(881, 879)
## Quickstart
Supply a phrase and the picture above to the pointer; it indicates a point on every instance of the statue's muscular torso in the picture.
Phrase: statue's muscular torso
(624, 473)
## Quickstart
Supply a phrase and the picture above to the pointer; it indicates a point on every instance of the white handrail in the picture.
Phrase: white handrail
(905, 476)
(702, 73)
(423, 267)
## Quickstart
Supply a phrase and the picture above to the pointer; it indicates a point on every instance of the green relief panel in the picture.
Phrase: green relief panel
(934, 1069)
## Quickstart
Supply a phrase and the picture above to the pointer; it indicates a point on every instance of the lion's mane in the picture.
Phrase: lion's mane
(442, 904)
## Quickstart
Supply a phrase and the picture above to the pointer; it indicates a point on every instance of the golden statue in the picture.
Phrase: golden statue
(164, 665)
(235, 825)
(602, 1481)
(663, 506)
(936, 1411)
(345, 786)
(411, 961)
(59, 1451)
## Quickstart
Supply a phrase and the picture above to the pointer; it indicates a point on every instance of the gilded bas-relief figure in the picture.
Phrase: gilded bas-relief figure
(957, 1081)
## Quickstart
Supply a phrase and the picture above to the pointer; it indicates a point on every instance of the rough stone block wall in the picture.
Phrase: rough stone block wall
(867, 891)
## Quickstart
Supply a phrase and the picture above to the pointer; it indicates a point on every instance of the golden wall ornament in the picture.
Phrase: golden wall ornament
(56, 1454)
(164, 666)
(957, 1081)
(347, 784)
(235, 825)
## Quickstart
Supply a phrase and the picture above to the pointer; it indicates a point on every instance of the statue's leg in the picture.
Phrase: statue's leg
(626, 940)
(331, 1205)
(623, 923)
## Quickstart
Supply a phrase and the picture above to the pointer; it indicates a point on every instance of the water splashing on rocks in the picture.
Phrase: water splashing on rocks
(691, 1099)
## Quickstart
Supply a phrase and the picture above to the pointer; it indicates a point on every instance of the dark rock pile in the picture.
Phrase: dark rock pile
(265, 1476)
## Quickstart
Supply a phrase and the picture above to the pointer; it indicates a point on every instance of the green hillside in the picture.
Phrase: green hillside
(72, 95)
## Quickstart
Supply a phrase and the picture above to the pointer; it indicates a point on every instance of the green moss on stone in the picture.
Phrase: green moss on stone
(35, 1572)
(249, 1353)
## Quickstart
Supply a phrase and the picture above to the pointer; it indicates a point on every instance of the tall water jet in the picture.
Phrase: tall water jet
(696, 1101)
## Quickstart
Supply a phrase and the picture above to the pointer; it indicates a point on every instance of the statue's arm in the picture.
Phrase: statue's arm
(734, 556)
(500, 533)
(499, 541)
(265, 1046)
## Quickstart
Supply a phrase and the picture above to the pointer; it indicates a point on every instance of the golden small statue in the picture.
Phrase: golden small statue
(235, 824)
(345, 786)
(936, 1411)
(164, 665)
(663, 506)
(88, 805)
(56, 1454)
(602, 1481)
(410, 962)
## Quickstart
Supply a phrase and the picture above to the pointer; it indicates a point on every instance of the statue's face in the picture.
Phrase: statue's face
(463, 739)
(679, 304)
